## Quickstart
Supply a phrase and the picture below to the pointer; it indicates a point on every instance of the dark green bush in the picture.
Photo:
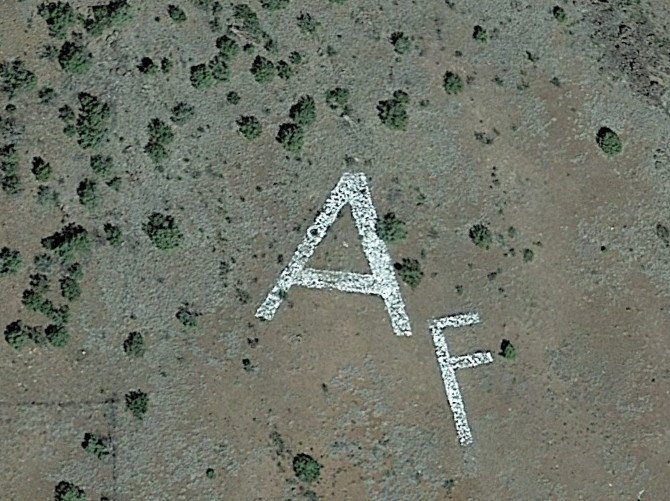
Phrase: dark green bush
(609, 141)
(163, 231)
(274, 4)
(219, 69)
(74, 57)
(481, 235)
(147, 66)
(59, 16)
(137, 402)
(306, 468)
(160, 137)
(307, 24)
(528, 255)
(58, 335)
(101, 164)
(71, 239)
(182, 112)
(249, 127)
(393, 112)
(480, 34)
(93, 121)
(97, 445)
(187, 315)
(46, 95)
(409, 271)
(16, 77)
(663, 233)
(66, 491)
(176, 13)
(338, 98)
(507, 349)
(134, 345)
(10, 261)
(9, 170)
(263, 70)
(390, 229)
(295, 57)
(115, 13)
(16, 335)
(248, 21)
(88, 193)
(291, 136)
(303, 112)
(46, 195)
(452, 83)
(201, 76)
(284, 70)
(559, 14)
(401, 42)
(228, 48)
(41, 169)
(113, 234)
(70, 288)
(233, 97)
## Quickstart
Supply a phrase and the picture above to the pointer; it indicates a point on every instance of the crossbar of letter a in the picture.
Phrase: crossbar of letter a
(352, 188)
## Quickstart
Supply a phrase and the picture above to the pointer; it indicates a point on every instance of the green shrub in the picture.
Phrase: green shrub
(41, 169)
(452, 83)
(480, 34)
(307, 24)
(182, 112)
(46, 195)
(274, 4)
(115, 13)
(401, 42)
(409, 271)
(16, 335)
(187, 315)
(46, 95)
(201, 76)
(291, 137)
(338, 98)
(219, 69)
(70, 288)
(609, 141)
(134, 345)
(9, 170)
(663, 233)
(101, 164)
(481, 235)
(507, 349)
(59, 16)
(10, 261)
(147, 66)
(306, 468)
(16, 77)
(210, 473)
(74, 57)
(228, 48)
(284, 70)
(559, 14)
(303, 112)
(88, 193)
(71, 239)
(295, 57)
(97, 445)
(263, 70)
(233, 97)
(93, 121)
(528, 255)
(113, 234)
(176, 13)
(160, 137)
(249, 21)
(163, 231)
(390, 229)
(249, 127)
(137, 402)
(166, 64)
(57, 335)
(35, 301)
(393, 112)
(66, 491)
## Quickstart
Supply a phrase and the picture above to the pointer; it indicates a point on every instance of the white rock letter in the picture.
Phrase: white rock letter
(352, 188)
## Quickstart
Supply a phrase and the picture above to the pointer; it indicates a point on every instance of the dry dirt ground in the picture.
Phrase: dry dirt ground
(580, 413)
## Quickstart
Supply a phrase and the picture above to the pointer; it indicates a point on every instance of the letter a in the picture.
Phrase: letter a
(352, 188)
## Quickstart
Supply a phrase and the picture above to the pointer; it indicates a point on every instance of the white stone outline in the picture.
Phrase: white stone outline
(448, 365)
(352, 188)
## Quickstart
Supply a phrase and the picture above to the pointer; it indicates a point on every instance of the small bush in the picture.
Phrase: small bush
(46, 95)
(187, 315)
(249, 127)
(295, 57)
(306, 468)
(74, 57)
(480, 34)
(609, 141)
(182, 112)
(137, 402)
(528, 255)
(210, 473)
(663, 233)
(249, 21)
(176, 13)
(452, 83)
(507, 349)
(16, 78)
(10, 261)
(59, 16)
(113, 234)
(147, 66)
(9, 170)
(66, 491)
(228, 48)
(16, 335)
(481, 236)
(115, 13)
(88, 193)
(219, 69)
(101, 164)
(97, 445)
(57, 335)
(70, 288)
(307, 24)
(93, 121)
(274, 4)
(401, 42)
(291, 137)
(409, 271)
(160, 137)
(559, 14)
(46, 195)
(393, 112)
(134, 345)
(303, 112)
(41, 169)
(71, 239)
(233, 97)
(201, 76)
(163, 231)
(263, 70)
(390, 229)
(338, 98)
(284, 70)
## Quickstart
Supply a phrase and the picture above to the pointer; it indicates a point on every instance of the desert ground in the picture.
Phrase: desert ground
(161, 162)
